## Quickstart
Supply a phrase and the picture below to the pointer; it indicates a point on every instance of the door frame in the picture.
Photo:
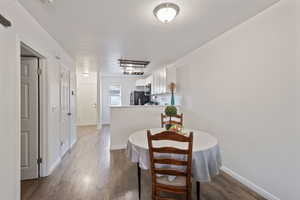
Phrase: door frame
(43, 117)
(42, 107)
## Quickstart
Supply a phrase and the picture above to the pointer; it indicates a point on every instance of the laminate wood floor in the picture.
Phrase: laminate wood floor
(91, 172)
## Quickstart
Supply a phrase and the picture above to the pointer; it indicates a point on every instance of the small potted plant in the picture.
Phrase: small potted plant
(170, 111)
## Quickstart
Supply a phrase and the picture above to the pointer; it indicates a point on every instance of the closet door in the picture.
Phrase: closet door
(65, 114)
(29, 118)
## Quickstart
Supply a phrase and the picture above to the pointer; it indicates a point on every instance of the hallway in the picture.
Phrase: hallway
(91, 172)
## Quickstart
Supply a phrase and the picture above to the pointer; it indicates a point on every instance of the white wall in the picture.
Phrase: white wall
(87, 99)
(8, 117)
(243, 88)
(127, 86)
(25, 29)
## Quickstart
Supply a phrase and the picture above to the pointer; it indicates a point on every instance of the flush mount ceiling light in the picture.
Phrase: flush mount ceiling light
(48, 1)
(166, 12)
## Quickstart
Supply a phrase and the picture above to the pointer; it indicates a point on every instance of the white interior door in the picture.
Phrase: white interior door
(29, 118)
(87, 102)
(65, 133)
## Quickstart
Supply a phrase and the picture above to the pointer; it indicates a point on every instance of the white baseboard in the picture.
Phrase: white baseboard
(64, 151)
(117, 147)
(249, 184)
(53, 166)
(57, 162)
(73, 143)
(86, 124)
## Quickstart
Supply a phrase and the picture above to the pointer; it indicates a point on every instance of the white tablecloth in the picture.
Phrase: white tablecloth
(206, 152)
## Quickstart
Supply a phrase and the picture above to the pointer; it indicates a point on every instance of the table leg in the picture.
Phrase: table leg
(198, 190)
(139, 180)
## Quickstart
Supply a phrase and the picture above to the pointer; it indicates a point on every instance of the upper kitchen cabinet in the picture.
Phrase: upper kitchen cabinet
(159, 80)
(159, 85)
(140, 82)
(162, 78)
(144, 81)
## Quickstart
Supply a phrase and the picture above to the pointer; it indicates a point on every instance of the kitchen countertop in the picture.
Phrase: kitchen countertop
(139, 106)
(126, 119)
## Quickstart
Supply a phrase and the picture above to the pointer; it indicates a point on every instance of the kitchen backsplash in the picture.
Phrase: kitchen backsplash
(165, 99)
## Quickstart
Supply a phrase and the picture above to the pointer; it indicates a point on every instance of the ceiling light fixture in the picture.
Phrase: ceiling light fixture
(133, 67)
(166, 12)
(133, 63)
(48, 1)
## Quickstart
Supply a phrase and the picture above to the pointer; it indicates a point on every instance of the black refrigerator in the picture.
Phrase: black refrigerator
(139, 98)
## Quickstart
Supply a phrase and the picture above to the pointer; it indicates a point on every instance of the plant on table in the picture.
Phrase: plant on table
(176, 128)
(170, 111)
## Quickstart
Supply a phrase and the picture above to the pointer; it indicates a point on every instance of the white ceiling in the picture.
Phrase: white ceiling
(98, 32)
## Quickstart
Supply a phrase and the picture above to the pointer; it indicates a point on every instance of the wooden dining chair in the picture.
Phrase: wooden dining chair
(183, 181)
(170, 120)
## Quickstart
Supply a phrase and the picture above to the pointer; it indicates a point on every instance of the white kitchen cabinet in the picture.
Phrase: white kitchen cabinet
(154, 84)
(140, 82)
(159, 81)
(162, 78)
(144, 81)
(163, 81)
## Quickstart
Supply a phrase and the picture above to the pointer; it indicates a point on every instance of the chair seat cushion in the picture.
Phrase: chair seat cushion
(178, 181)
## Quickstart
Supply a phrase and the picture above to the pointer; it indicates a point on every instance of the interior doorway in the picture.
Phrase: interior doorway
(30, 134)
(87, 99)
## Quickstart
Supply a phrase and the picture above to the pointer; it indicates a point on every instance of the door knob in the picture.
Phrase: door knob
(69, 114)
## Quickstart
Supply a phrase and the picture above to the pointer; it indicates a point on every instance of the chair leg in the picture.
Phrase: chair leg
(198, 190)
(153, 192)
(188, 194)
(139, 180)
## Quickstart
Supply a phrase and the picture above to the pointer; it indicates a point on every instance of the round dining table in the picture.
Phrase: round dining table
(206, 161)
